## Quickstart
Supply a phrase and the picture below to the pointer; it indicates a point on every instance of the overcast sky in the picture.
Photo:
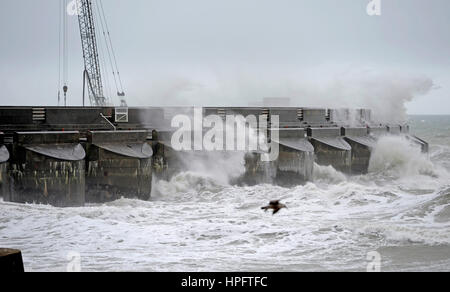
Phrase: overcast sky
(235, 52)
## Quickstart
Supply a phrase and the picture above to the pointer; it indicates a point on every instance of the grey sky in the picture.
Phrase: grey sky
(235, 51)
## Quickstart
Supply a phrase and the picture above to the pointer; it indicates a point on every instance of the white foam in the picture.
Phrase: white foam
(396, 156)
(198, 222)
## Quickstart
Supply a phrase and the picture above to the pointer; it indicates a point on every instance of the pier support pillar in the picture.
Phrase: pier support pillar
(295, 162)
(362, 145)
(4, 179)
(330, 148)
(47, 168)
(119, 164)
(416, 140)
(257, 171)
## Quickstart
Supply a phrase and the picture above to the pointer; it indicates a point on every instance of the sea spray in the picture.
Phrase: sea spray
(396, 156)
(386, 92)
(327, 174)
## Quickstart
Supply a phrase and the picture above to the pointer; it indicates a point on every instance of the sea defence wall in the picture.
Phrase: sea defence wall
(119, 164)
(67, 156)
(296, 156)
(47, 168)
(331, 148)
(361, 144)
(4, 165)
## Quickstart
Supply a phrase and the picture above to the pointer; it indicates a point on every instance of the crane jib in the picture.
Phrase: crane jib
(90, 53)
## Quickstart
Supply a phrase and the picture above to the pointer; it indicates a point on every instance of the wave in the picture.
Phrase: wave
(394, 233)
(398, 157)
(327, 174)
(187, 182)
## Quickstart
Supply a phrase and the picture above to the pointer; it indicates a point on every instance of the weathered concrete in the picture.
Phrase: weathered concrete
(159, 161)
(11, 261)
(288, 117)
(313, 116)
(258, 171)
(423, 144)
(119, 164)
(351, 117)
(166, 162)
(295, 162)
(378, 131)
(45, 167)
(394, 129)
(243, 111)
(13, 119)
(404, 129)
(330, 148)
(4, 181)
(362, 145)
(48, 168)
(4, 178)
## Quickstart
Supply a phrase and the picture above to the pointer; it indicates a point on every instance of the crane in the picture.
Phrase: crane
(92, 73)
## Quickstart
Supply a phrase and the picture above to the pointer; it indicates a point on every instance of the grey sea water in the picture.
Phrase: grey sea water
(197, 222)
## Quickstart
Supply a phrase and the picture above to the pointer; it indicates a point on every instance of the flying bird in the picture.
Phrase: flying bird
(275, 206)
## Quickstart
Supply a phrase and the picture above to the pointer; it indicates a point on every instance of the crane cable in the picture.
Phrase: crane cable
(103, 66)
(63, 58)
(107, 48)
(63, 55)
(113, 69)
(65, 52)
(59, 51)
(121, 93)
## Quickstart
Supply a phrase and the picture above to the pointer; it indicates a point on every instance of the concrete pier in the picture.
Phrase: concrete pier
(119, 164)
(258, 171)
(48, 168)
(166, 161)
(404, 129)
(362, 145)
(66, 156)
(4, 178)
(378, 131)
(296, 157)
(394, 129)
(330, 148)
(423, 144)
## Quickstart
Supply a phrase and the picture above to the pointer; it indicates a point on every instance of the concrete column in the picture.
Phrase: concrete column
(295, 162)
(330, 148)
(119, 164)
(48, 168)
(4, 179)
(11, 261)
(362, 145)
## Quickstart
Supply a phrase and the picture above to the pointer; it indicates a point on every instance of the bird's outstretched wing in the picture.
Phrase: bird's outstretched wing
(275, 211)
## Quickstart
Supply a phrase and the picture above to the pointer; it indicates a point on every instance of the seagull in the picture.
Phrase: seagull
(275, 206)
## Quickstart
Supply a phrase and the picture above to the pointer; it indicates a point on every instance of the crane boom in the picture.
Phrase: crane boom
(92, 73)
